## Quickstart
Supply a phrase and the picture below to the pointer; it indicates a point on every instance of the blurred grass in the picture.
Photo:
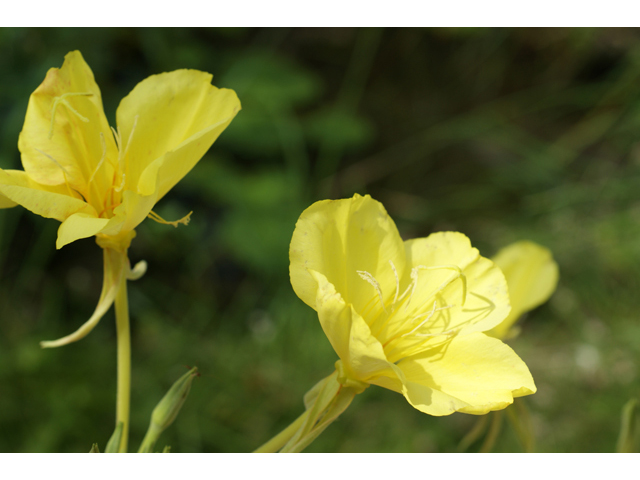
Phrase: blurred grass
(501, 134)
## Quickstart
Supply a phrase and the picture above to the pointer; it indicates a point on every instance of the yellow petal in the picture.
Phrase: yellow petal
(339, 238)
(472, 374)
(66, 133)
(178, 112)
(361, 353)
(47, 201)
(127, 216)
(79, 225)
(532, 276)
(6, 202)
(115, 267)
(477, 300)
(131, 212)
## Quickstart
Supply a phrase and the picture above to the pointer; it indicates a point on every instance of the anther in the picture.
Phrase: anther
(372, 281)
(63, 99)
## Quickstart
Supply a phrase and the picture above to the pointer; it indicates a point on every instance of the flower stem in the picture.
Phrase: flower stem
(124, 362)
(280, 440)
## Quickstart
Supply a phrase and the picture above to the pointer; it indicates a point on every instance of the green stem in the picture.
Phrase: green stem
(280, 440)
(494, 431)
(150, 439)
(124, 362)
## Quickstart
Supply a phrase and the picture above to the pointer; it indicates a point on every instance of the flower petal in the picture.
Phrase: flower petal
(472, 374)
(69, 147)
(44, 200)
(132, 211)
(339, 238)
(361, 353)
(475, 302)
(178, 112)
(79, 225)
(532, 276)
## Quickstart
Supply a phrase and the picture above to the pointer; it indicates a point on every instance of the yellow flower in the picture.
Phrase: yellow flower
(407, 316)
(532, 276)
(101, 181)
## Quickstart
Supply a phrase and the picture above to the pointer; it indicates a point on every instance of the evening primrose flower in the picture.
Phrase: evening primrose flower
(408, 316)
(104, 181)
(532, 276)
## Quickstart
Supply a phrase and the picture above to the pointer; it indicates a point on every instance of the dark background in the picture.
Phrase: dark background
(502, 134)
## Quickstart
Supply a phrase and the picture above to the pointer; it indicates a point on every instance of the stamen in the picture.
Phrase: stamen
(447, 333)
(458, 270)
(126, 148)
(371, 280)
(157, 218)
(64, 170)
(62, 99)
(116, 135)
(429, 316)
(104, 155)
(395, 273)
(121, 186)
(412, 286)
(122, 155)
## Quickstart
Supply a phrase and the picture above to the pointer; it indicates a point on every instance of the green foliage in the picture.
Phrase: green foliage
(501, 134)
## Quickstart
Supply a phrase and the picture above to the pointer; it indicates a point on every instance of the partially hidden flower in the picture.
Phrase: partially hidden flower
(408, 316)
(532, 277)
(104, 181)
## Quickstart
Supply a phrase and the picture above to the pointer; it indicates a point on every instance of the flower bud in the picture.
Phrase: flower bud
(167, 410)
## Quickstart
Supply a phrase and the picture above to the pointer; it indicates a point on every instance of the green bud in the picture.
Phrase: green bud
(167, 410)
(94, 448)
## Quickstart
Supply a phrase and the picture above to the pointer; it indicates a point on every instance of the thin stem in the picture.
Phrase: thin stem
(494, 431)
(124, 362)
(280, 440)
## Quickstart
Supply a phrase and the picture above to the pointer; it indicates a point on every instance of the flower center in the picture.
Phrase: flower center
(400, 317)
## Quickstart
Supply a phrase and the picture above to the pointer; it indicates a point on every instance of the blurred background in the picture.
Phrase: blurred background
(500, 134)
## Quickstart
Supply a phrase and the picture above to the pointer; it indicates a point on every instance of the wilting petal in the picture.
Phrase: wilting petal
(361, 353)
(474, 295)
(532, 276)
(471, 374)
(179, 112)
(115, 268)
(339, 238)
(47, 201)
(69, 148)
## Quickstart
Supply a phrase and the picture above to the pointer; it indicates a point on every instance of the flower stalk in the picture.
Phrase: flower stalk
(324, 403)
(123, 332)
